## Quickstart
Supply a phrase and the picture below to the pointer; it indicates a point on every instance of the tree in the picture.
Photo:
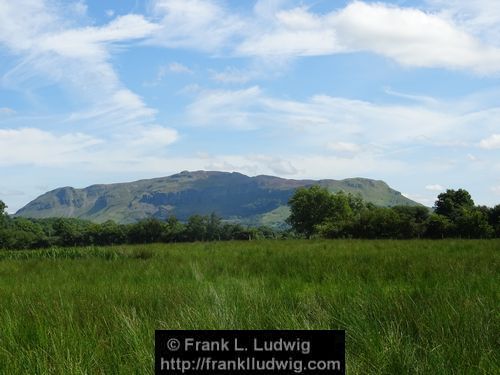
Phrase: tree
(309, 207)
(174, 230)
(378, 222)
(452, 203)
(67, 232)
(346, 208)
(107, 233)
(213, 227)
(412, 220)
(146, 231)
(473, 223)
(494, 219)
(3, 214)
(438, 226)
(196, 228)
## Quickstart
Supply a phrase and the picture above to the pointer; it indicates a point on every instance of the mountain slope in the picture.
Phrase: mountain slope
(260, 199)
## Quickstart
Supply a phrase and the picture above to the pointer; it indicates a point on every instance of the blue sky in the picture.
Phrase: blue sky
(109, 91)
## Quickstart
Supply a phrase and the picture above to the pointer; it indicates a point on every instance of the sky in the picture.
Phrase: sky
(95, 91)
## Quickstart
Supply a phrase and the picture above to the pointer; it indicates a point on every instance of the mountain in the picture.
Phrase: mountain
(233, 196)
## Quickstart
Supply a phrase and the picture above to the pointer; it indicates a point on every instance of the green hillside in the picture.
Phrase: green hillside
(233, 196)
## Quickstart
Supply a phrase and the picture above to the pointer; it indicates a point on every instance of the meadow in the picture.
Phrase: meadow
(408, 307)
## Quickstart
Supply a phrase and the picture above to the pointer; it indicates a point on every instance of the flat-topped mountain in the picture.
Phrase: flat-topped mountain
(233, 196)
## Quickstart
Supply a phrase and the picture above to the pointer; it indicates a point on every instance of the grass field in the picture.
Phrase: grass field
(408, 307)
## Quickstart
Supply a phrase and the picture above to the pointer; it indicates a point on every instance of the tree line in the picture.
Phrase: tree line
(23, 233)
(315, 212)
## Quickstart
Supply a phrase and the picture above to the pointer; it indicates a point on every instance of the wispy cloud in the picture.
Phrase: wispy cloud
(35, 146)
(427, 100)
(164, 70)
(31, 146)
(52, 50)
(176, 67)
(347, 149)
(439, 37)
(478, 17)
(434, 187)
(186, 24)
(345, 122)
(233, 75)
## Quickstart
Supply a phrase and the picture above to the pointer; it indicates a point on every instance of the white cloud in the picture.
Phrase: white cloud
(492, 142)
(345, 149)
(276, 165)
(31, 146)
(323, 116)
(122, 109)
(258, 69)
(412, 38)
(53, 50)
(236, 108)
(366, 132)
(495, 189)
(479, 17)
(155, 136)
(37, 147)
(176, 67)
(163, 70)
(79, 8)
(202, 25)
(232, 75)
(110, 12)
(427, 100)
(435, 187)
(267, 9)
(91, 42)
(451, 35)
(292, 166)
(297, 33)
(407, 35)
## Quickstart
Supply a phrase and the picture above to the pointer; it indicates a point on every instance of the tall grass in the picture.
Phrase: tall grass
(408, 307)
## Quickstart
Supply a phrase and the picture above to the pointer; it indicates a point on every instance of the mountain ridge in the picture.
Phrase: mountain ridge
(231, 195)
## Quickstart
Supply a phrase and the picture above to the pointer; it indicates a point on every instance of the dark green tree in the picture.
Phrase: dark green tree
(494, 219)
(346, 208)
(213, 227)
(473, 223)
(3, 214)
(146, 231)
(412, 220)
(196, 228)
(453, 202)
(174, 230)
(438, 226)
(310, 207)
(378, 222)
(67, 232)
